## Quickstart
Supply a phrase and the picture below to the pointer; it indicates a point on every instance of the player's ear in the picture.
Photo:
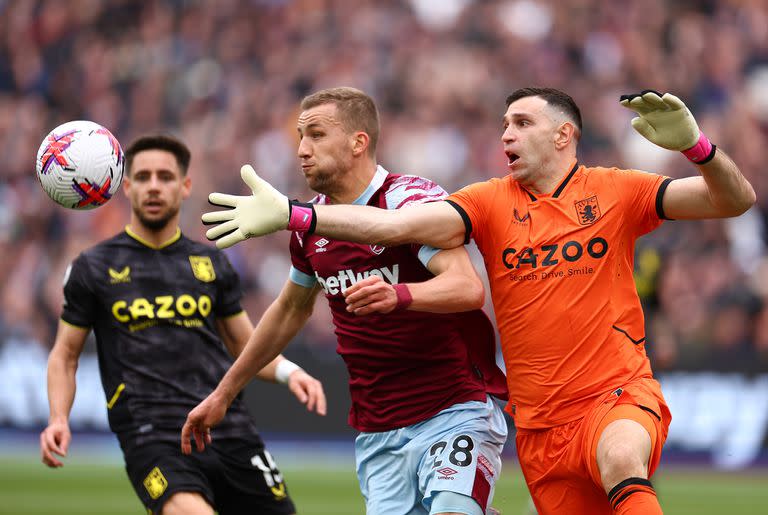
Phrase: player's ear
(360, 143)
(186, 186)
(565, 133)
(126, 183)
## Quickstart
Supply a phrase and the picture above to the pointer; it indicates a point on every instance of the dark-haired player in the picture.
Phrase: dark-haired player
(557, 238)
(430, 435)
(166, 314)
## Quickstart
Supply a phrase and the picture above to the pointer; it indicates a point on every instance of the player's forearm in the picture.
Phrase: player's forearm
(272, 334)
(729, 191)
(61, 388)
(267, 372)
(360, 224)
(278, 370)
(423, 223)
(447, 293)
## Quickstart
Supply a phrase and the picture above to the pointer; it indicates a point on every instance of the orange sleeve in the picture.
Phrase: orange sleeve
(641, 193)
(469, 202)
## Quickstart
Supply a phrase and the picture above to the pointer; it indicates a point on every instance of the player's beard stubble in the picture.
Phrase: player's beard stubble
(329, 182)
(321, 183)
(158, 222)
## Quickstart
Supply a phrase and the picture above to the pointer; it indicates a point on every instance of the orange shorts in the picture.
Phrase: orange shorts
(560, 464)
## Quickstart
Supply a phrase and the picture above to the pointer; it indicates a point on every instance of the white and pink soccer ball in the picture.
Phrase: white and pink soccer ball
(80, 165)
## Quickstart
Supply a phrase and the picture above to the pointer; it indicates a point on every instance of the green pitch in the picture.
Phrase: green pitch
(28, 488)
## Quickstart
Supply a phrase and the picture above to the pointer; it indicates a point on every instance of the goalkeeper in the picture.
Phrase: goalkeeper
(558, 240)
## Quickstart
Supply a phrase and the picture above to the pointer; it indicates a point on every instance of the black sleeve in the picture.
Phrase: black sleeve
(80, 302)
(230, 292)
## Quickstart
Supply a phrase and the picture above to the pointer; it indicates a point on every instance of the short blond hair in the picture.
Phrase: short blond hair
(357, 111)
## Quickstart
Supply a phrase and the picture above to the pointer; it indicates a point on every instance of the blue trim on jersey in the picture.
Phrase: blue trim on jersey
(376, 182)
(298, 277)
(426, 253)
(451, 502)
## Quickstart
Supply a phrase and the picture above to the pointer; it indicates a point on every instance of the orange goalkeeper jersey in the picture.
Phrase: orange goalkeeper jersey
(560, 269)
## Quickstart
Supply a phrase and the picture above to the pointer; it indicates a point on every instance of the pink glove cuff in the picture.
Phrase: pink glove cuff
(702, 152)
(404, 297)
(301, 218)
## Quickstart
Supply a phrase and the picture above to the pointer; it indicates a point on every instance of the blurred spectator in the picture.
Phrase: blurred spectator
(732, 333)
(761, 340)
(227, 77)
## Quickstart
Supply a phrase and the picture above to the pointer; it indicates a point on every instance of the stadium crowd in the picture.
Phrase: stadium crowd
(227, 76)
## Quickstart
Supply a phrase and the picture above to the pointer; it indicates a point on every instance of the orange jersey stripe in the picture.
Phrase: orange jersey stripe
(560, 268)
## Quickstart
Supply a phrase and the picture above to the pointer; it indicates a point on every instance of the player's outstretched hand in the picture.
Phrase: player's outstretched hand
(308, 390)
(371, 295)
(663, 119)
(200, 421)
(54, 440)
(265, 211)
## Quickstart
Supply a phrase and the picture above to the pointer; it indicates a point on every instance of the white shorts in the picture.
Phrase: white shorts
(458, 450)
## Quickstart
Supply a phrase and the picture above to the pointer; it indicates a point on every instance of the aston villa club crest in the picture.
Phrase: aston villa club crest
(588, 210)
(155, 483)
(202, 267)
(377, 249)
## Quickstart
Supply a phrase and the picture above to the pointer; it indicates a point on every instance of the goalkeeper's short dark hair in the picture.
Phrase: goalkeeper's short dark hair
(159, 142)
(553, 97)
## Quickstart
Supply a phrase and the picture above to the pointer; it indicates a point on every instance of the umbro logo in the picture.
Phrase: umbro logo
(321, 243)
(123, 276)
(446, 473)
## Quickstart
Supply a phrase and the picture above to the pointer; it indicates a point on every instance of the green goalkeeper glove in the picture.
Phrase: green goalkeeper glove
(264, 212)
(668, 123)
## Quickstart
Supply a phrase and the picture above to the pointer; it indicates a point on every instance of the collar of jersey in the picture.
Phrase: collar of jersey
(376, 182)
(171, 240)
(559, 189)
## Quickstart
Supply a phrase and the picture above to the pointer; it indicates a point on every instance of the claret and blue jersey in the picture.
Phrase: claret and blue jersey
(404, 366)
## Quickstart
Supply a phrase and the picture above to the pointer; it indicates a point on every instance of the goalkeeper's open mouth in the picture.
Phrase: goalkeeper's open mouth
(511, 157)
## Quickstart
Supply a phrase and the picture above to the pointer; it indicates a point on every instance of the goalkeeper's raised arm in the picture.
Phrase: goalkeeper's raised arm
(267, 210)
(721, 190)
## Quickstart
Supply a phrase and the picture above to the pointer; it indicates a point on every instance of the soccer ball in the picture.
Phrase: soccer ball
(80, 165)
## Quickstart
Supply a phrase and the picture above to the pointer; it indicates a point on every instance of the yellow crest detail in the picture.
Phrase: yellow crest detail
(155, 483)
(202, 267)
(279, 491)
(123, 276)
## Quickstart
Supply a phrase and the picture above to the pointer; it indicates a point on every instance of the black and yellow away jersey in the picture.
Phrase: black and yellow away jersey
(153, 313)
